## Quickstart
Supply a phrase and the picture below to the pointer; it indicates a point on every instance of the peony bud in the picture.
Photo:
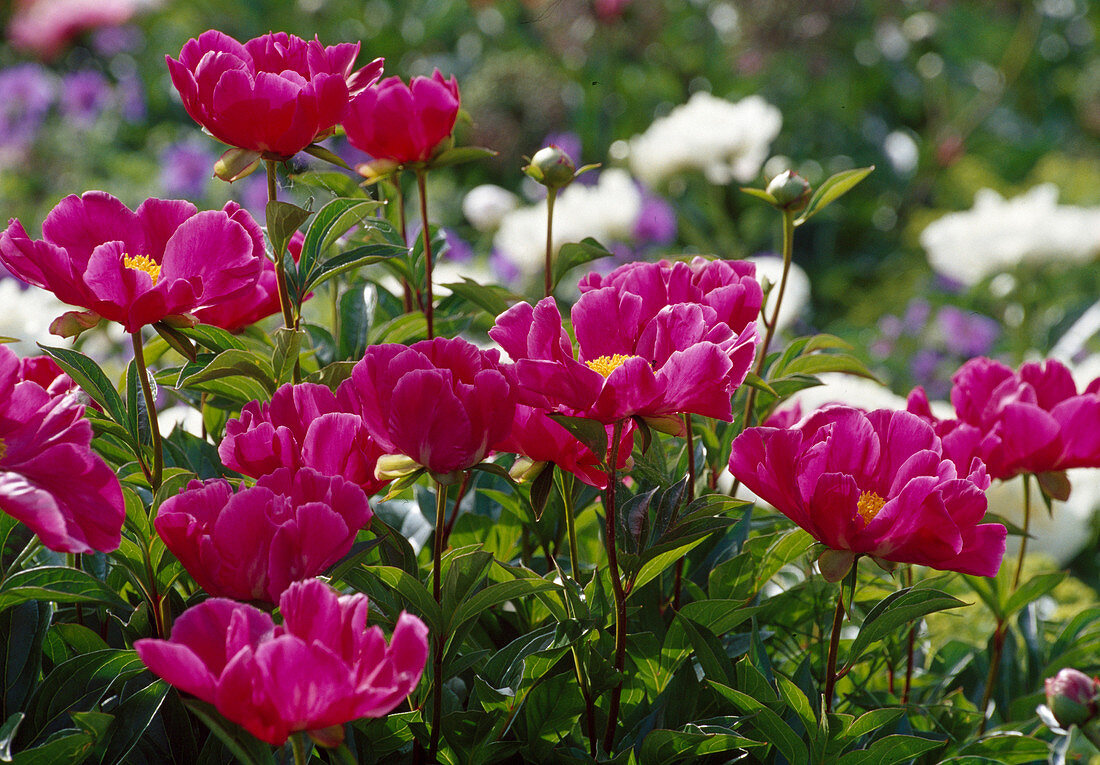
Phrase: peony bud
(791, 191)
(1073, 697)
(552, 167)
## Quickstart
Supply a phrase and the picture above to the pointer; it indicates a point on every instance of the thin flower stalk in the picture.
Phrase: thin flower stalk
(154, 474)
(617, 589)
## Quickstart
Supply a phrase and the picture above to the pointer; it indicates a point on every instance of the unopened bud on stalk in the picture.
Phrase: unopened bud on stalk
(1073, 697)
(791, 191)
(552, 167)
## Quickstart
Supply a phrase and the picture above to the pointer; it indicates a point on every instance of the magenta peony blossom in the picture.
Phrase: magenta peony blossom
(443, 403)
(253, 544)
(304, 425)
(680, 360)
(1031, 421)
(873, 484)
(727, 286)
(236, 314)
(1072, 697)
(321, 667)
(50, 479)
(403, 123)
(44, 27)
(275, 94)
(535, 436)
(136, 267)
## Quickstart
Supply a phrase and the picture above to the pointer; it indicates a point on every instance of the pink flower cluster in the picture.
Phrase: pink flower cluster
(878, 484)
(50, 479)
(321, 667)
(1028, 421)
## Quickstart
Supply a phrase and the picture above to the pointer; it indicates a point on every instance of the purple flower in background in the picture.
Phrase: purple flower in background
(111, 41)
(84, 96)
(965, 333)
(925, 366)
(251, 192)
(460, 250)
(130, 95)
(28, 92)
(916, 315)
(656, 220)
(185, 169)
(890, 326)
(504, 268)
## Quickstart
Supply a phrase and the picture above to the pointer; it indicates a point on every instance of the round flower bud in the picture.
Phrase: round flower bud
(790, 190)
(552, 167)
(1073, 697)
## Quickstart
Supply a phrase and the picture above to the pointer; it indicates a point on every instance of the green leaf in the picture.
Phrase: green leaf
(333, 374)
(316, 150)
(179, 342)
(891, 750)
(58, 584)
(231, 363)
(540, 489)
(1031, 590)
(215, 339)
(414, 593)
(760, 194)
(288, 344)
(7, 733)
(461, 155)
(768, 724)
(493, 595)
(574, 254)
(356, 257)
(235, 164)
(244, 746)
(330, 223)
(818, 363)
(283, 219)
(831, 190)
(589, 432)
(65, 746)
(87, 374)
(894, 611)
(336, 184)
(866, 723)
(669, 747)
(1054, 484)
(355, 321)
(23, 631)
(490, 298)
(655, 566)
(132, 717)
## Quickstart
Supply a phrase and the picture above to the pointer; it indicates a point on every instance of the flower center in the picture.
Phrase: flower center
(143, 263)
(605, 365)
(869, 505)
(3, 448)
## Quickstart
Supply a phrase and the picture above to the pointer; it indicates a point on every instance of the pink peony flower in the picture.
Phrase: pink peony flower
(44, 27)
(1030, 421)
(252, 544)
(136, 267)
(681, 360)
(535, 436)
(403, 123)
(275, 94)
(50, 479)
(321, 667)
(443, 403)
(304, 425)
(727, 286)
(873, 484)
(1072, 697)
(236, 314)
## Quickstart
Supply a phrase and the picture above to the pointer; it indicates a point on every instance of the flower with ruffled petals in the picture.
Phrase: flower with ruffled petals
(252, 544)
(135, 267)
(403, 123)
(680, 360)
(538, 438)
(304, 425)
(873, 484)
(320, 668)
(249, 307)
(728, 286)
(275, 94)
(1030, 421)
(442, 403)
(50, 479)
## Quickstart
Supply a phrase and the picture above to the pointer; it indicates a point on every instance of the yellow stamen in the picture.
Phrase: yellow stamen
(143, 263)
(869, 505)
(3, 448)
(605, 365)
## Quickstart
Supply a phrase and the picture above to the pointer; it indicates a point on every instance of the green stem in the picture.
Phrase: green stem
(678, 579)
(1091, 732)
(298, 746)
(280, 265)
(910, 647)
(991, 678)
(24, 555)
(437, 593)
(565, 486)
(1027, 528)
(616, 586)
(429, 307)
(404, 237)
(551, 196)
(834, 639)
(150, 411)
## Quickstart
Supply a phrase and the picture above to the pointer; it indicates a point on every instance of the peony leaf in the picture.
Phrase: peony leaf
(283, 219)
(315, 150)
(575, 254)
(93, 381)
(231, 363)
(235, 164)
(831, 190)
(242, 744)
(894, 611)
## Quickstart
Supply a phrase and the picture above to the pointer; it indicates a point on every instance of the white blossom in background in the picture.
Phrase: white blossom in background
(606, 211)
(796, 297)
(486, 205)
(26, 314)
(728, 141)
(996, 234)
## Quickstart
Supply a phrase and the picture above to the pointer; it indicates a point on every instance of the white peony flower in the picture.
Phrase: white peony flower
(607, 211)
(486, 205)
(996, 234)
(796, 297)
(26, 314)
(728, 141)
